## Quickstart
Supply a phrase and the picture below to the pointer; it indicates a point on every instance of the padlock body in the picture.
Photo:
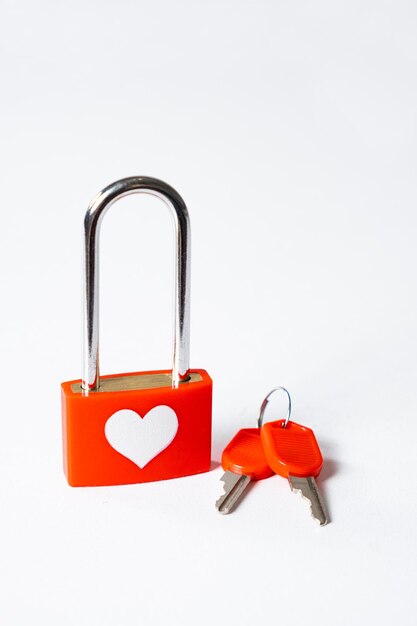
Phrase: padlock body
(136, 428)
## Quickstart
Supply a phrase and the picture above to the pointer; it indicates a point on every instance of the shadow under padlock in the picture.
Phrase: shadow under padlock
(142, 426)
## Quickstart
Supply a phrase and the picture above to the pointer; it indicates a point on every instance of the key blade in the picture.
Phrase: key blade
(234, 487)
(307, 487)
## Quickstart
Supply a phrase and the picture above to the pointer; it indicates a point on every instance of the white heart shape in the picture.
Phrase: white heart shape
(141, 439)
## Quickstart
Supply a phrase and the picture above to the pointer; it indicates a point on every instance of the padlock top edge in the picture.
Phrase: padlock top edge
(136, 381)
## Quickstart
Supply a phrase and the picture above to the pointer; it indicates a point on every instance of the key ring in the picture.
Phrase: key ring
(265, 404)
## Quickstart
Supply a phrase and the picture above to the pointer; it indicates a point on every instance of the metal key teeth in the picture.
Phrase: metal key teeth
(234, 486)
(307, 488)
(224, 479)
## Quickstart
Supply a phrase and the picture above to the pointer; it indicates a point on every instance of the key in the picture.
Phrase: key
(243, 460)
(293, 452)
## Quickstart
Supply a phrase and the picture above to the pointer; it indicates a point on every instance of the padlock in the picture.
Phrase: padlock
(142, 426)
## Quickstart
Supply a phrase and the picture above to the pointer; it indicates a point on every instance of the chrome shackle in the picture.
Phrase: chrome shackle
(92, 222)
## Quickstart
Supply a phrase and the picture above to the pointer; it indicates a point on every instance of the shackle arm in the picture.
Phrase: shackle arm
(92, 222)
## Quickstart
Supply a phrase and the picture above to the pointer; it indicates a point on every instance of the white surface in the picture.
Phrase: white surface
(290, 130)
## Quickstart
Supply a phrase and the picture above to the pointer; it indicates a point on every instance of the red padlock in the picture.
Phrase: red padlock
(142, 426)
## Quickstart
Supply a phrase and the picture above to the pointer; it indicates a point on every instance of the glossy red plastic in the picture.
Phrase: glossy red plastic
(245, 455)
(291, 450)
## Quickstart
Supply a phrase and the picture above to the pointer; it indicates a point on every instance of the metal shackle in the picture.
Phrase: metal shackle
(92, 222)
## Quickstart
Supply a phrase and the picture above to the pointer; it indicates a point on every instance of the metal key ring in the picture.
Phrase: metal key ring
(265, 404)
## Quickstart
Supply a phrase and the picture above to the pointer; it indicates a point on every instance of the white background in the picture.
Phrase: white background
(290, 130)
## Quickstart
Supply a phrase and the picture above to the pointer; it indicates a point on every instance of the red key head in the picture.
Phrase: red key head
(245, 455)
(291, 450)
